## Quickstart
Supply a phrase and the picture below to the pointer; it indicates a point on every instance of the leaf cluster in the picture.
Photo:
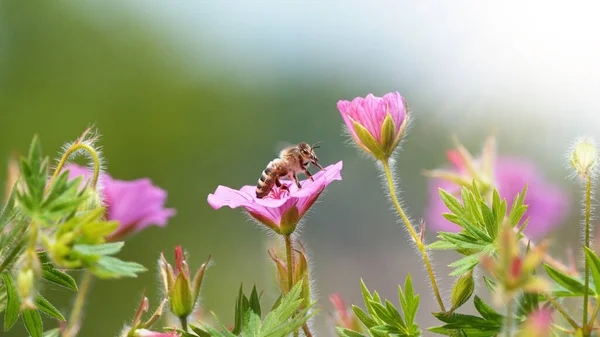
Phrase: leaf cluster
(383, 319)
(286, 316)
(480, 225)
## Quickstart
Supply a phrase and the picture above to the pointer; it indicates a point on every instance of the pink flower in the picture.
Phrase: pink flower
(548, 204)
(282, 211)
(376, 123)
(538, 323)
(135, 204)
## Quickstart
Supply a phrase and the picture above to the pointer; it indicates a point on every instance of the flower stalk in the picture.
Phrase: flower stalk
(77, 311)
(413, 233)
(588, 210)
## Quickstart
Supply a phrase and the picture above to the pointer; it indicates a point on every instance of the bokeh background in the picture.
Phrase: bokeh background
(197, 94)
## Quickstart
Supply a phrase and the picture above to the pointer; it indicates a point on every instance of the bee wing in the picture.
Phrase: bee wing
(281, 145)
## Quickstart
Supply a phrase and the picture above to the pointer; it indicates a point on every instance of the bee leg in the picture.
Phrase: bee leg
(308, 175)
(280, 185)
(296, 181)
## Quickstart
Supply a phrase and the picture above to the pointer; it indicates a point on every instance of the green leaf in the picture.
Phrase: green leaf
(572, 284)
(452, 203)
(47, 308)
(289, 305)
(239, 312)
(442, 245)
(13, 302)
(102, 249)
(198, 331)
(464, 265)
(342, 332)
(594, 263)
(363, 317)
(52, 333)
(255, 302)
(51, 274)
(111, 267)
(33, 322)
(486, 311)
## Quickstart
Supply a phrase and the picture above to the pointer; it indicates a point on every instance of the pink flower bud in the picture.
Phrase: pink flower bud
(376, 123)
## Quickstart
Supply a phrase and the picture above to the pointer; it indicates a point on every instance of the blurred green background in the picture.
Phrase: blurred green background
(197, 94)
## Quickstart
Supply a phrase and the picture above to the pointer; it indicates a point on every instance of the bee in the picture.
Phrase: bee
(292, 160)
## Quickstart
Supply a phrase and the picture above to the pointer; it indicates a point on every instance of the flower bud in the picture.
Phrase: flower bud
(584, 157)
(377, 124)
(93, 200)
(29, 270)
(180, 289)
(462, 290)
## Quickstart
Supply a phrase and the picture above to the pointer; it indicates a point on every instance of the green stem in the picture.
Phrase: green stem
(509, 318)
(290, 266)
(70, 151)
(594, 314)
(290, 261)
(184, 323)
(562, 311)
(77, 312)
(588, 210)
(413, 233)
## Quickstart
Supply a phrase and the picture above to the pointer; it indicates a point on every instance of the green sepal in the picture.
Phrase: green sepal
(388, 135)
(368, 141)
(180, 297)
(289, 220)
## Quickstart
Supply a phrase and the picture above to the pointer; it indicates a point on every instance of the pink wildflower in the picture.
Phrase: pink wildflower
(282, 211)
(376, 123)
(539, 324)
(135, 204)
(548, 205)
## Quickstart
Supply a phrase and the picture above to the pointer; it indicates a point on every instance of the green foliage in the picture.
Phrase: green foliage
(480, 225)
(382, 318)
(286, 316)
(488, 325)
(566, 286)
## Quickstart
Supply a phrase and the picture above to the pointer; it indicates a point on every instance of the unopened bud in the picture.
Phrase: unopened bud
(462, 290)
(28, 276)
(93, 200)
(584, 157)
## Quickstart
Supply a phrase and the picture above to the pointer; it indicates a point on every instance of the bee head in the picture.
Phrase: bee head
(308, 153)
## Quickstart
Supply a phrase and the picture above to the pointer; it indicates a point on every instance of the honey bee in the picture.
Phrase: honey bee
(292, 160)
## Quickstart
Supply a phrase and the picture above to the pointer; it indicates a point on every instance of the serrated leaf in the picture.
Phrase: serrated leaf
(255, 302)
(575, 286)
(251, 326)
(451, 202)
(51, 274)
(111, 267)
(47, 308)
(289, 305)
(12, 303)
(33, 322)
(441, 245)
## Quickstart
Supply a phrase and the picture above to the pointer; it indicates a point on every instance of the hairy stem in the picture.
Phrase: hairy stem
(509, 318)
(307, 332)
(562, 311)
(77, 311)
(413, 233)
(588, 210)
(70, 151)
(290, 266)
(290, 261)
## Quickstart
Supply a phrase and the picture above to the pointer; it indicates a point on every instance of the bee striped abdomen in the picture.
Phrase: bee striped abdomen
(266, 180)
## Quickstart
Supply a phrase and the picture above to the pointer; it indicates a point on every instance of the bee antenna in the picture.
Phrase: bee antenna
(316, 145)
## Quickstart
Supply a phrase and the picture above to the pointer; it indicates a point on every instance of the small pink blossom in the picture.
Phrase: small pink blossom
(135, 204)
(538, 323)
(370, 114)
(282, 211)
(548, 204)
